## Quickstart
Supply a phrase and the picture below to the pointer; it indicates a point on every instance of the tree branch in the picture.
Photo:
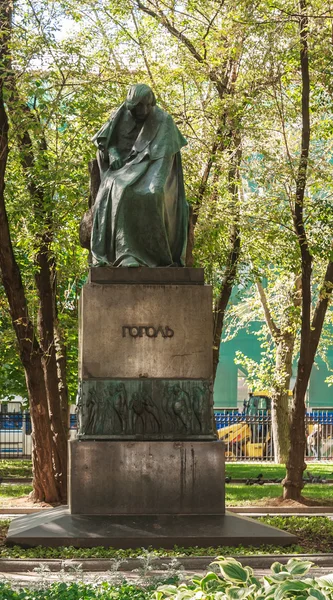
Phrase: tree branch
(325, 295)
(163, 20)
(218, 145)
(305, 140)
(233, 257)
(275, 331)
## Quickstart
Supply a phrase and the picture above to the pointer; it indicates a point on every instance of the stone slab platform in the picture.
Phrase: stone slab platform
(57, 527)
(147, 275)
(144, 478)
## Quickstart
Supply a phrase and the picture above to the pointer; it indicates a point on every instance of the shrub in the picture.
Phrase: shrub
(234, 582)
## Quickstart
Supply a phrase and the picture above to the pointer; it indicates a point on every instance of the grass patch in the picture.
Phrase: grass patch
(248, 495)
(15, 468)
(271, 471)
(314, 533)
(14, 490)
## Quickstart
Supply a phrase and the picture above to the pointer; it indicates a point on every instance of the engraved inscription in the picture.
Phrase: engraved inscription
(147, 330)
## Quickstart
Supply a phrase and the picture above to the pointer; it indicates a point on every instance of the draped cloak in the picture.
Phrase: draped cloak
(140, 210)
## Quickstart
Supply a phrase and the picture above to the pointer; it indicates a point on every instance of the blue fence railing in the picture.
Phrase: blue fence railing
(245, 437)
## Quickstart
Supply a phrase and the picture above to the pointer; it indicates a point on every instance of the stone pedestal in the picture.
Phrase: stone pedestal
(146, 468)
(145, 349)
(146, 478)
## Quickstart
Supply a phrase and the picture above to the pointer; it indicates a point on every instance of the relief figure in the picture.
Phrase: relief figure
(144, 412)
(178, 407)
(120, 406)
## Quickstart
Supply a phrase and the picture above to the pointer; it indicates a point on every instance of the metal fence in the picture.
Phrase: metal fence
(15, 434)
(250, 437)
(246, 437)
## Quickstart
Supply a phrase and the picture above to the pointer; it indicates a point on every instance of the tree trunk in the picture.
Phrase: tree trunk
(293, 483)
(190, 237)
(280, 398)
(284, 342)
(61, 359)
(45, 487)
(46, 328)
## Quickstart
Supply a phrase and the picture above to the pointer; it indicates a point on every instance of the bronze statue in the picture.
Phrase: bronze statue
(140, 216)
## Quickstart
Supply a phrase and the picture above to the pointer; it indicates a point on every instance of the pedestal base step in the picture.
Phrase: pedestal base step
(57, 527)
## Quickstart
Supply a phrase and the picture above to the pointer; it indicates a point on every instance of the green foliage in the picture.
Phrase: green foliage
(77, 591)
(69, 552)
(228, 580)
(12, 381)
(234, 582)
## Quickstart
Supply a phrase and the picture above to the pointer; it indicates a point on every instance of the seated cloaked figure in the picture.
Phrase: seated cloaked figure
(140, 217)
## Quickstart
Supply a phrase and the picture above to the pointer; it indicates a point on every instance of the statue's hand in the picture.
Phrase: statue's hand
(116, 164)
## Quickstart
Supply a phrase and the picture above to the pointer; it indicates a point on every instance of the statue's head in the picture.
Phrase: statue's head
(140, 100)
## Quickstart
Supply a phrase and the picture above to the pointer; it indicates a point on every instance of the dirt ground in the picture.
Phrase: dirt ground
(267, 502)
(23, 502)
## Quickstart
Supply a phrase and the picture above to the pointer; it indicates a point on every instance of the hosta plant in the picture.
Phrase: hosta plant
(229, 580)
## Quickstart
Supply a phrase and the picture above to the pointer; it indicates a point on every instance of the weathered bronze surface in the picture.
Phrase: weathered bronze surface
(140, 216)
(145, 409)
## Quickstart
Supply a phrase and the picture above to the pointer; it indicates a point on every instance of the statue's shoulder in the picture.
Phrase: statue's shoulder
(167, 139)
(170, 132)
(159, 115)
(162, 116)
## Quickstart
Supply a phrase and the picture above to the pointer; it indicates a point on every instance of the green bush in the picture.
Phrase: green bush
(234, 582)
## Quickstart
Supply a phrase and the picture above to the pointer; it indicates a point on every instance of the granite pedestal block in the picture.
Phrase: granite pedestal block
(145, 355)
(145, 331)
(146, 478)
(147, 275)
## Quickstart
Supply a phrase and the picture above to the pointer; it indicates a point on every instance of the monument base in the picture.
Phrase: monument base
(58, 527)
(146, 478)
